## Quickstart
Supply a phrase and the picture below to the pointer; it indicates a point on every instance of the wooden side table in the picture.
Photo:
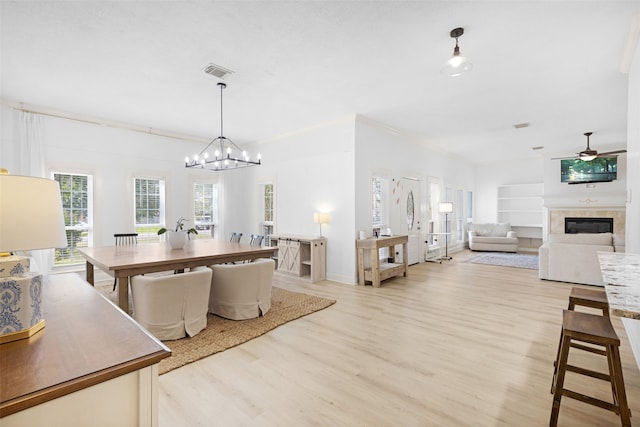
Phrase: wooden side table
(379, 272)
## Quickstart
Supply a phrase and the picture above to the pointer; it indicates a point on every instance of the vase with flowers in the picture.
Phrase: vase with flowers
(178, 238)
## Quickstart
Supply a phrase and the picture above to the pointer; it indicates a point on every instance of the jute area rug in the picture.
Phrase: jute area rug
(507, 260)
(222, 334)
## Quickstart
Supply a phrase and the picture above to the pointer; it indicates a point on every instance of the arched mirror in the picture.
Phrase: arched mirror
(410, 211)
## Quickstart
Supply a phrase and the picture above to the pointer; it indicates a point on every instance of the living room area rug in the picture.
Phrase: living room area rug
(222, 334)
(504, 259)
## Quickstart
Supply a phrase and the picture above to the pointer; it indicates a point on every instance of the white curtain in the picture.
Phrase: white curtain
(31, 163)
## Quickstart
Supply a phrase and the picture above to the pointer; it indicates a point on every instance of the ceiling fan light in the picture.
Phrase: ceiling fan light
(588, 158)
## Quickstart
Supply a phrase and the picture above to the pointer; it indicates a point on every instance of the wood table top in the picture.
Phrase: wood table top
(380, 242)
(87, 340)
(144, 255)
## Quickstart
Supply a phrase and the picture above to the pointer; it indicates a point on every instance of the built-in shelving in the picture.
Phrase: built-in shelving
(522, 206)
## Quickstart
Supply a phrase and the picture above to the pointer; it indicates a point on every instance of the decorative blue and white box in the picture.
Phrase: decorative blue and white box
(20, 295)
(14, 265)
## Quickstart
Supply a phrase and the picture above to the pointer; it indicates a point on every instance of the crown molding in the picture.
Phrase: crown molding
(52, 112)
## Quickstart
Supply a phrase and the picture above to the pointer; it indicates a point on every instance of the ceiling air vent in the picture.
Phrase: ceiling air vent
(217, 71)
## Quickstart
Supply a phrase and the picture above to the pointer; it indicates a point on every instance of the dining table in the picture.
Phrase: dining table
(125, 261)
(621, 276)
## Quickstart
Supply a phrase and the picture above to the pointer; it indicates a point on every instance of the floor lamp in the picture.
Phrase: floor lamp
(446, 208)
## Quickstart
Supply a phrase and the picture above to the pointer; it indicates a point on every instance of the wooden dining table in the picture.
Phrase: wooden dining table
(123, 262)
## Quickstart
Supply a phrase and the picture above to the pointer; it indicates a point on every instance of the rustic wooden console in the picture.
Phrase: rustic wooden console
(378, 272)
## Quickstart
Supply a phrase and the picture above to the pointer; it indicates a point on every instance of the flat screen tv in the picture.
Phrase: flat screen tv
(600, 169)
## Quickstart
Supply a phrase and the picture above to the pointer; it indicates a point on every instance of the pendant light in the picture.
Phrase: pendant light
(457, 64)
(226, 154)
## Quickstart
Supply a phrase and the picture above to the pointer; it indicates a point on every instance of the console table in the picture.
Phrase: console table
(302, 256)
(378, 272)
(91, 365)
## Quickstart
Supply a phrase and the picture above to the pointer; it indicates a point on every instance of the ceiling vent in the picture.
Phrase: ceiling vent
(217, 71)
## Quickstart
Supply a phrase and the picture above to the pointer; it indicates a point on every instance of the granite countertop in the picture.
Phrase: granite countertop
(621, 274)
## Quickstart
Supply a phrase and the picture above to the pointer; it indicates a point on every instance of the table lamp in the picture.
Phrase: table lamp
(321, 218)
(30, 218)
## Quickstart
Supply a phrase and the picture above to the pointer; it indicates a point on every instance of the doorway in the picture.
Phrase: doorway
(406, 207)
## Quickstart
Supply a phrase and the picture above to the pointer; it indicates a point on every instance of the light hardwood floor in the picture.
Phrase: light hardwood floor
(453, 344)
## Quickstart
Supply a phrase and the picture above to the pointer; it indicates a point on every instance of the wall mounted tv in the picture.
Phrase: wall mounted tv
(600, 169)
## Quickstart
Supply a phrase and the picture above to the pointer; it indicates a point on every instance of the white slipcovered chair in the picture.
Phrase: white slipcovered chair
(174, 305)
(573, 258)
(241, 291)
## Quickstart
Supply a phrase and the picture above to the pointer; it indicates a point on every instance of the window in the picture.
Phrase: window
(149, 206)
(460, 215)
(469, 206)
(76, 192)
(267, 211)
(378, 204)
(205, 209)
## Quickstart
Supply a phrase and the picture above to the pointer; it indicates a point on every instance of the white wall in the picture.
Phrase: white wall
(488, 176)
(313, 172)
(606, 193)
(113, 156)
(384, 152)
(633, 157)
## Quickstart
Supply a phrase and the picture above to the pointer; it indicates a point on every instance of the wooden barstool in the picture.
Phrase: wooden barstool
(592, 329)
(594, 298)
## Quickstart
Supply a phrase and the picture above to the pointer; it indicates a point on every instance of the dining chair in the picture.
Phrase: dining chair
(256, 240)
(235, 237)
(241, 291)
(123, 239)
(174, 305)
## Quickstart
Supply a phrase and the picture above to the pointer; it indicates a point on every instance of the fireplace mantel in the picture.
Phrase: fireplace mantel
(556, 217)
(600, 201)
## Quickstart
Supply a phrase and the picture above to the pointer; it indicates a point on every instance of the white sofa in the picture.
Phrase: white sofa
(497, 237)
(173, 305)
(241, 291)
(574, 257)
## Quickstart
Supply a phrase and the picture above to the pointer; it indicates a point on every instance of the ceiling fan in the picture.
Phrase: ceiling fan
(588, 154)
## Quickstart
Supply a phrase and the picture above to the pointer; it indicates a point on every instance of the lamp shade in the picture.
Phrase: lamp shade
(321, 217)
(30, 214)
(445, 207)
(456, 66)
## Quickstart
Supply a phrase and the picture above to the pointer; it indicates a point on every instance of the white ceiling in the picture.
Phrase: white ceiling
(297, 64)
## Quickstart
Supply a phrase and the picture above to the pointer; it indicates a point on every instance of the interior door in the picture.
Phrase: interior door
(407, 214)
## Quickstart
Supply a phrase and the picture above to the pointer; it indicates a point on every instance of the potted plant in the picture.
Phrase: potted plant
(178, 237)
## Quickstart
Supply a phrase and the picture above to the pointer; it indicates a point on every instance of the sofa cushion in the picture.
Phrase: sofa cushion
(495, 240)
(491, 229)
(583, 238)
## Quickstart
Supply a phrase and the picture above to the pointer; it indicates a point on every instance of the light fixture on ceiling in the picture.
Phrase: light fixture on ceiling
(457, 64)
(588, 154)
(226, 154)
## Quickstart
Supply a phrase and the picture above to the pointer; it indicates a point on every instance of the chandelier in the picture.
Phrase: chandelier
(221, 153)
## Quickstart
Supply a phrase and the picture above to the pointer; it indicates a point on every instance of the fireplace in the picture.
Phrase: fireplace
(588, 225)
